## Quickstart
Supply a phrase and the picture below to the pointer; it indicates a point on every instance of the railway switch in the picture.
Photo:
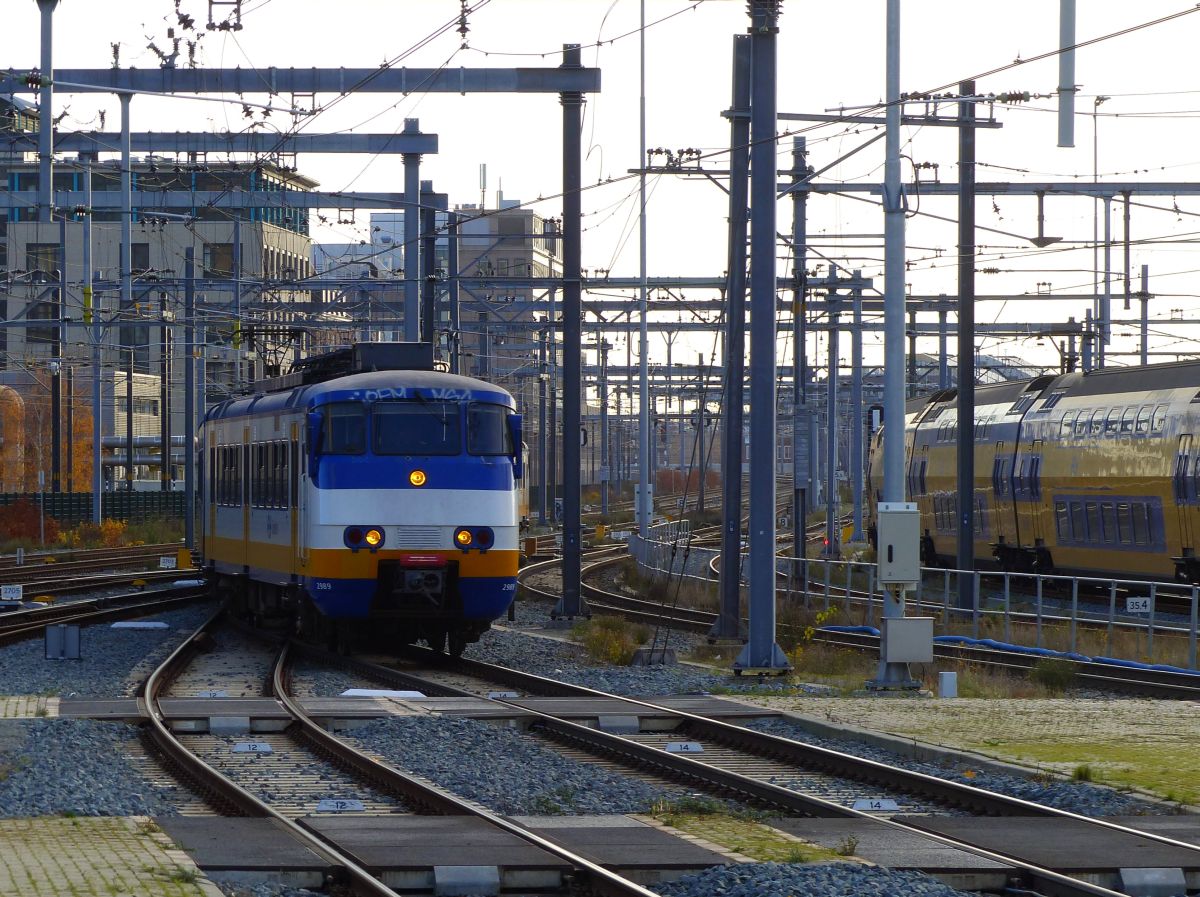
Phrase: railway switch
(899, 543)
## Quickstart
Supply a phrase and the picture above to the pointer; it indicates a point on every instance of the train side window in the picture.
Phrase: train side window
(1019, 479)
(1035, 476)
(1124, 523)
(1112, 422)
(1093, 521)
(278, 467)
(345, 428)
(980, 516)
(1082, 423)
(1066, 428)
(1127, 419)
(1194, 486)
(1141, 524)
(1078, 523)
(1062, 521)
(294, 475)
(1158, 420)
(924, 464)
(1143, 420)
(1097, 426)
(997, 481)
(1108, 517)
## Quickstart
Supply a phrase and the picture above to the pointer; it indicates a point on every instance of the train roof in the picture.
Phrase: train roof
(1144, 378)
(367, 386)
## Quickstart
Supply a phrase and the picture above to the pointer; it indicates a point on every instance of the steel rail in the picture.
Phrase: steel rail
(225, 789)
(682, 767)
(597, 879)
(39, 558)
(25, 624)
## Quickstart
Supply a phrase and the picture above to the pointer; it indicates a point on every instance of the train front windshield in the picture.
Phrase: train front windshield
(417, 428)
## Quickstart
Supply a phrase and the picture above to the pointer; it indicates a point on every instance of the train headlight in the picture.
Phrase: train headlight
(417, 478)
(374, 537)
(485, 538)
(353, 536)
(463, 538)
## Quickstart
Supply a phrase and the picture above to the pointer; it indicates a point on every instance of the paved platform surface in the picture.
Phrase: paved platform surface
(50, 856)
(217, 843)
(383, 843)
(885, 845)
(1064, 844)
(622, 843)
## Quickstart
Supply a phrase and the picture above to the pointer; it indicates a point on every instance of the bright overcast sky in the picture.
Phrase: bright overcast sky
(830, 54)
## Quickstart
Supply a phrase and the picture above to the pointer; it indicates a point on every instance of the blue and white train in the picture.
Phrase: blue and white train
(366, 493)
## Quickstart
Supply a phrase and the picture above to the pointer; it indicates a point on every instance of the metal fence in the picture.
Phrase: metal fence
(1019, 608)
(71, 508)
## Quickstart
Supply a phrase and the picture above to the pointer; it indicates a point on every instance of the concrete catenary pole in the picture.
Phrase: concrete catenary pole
(91, 317)
(605, 455)
(728, 623)
(189, 392)
(761, 652)
(126, 265)
(1066, 73)
(801, 419)
(857, 430)
(571, 604)
(893, 675)
(46, 114)
(412, 233)
(645, 501)
(966, 344)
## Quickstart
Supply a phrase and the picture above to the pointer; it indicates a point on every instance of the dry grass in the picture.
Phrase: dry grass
(610, 639)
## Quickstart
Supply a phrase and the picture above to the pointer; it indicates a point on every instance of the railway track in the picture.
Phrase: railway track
(199, 765)
(71, 555)
(141, 557)
(735, 761)
(31, 623)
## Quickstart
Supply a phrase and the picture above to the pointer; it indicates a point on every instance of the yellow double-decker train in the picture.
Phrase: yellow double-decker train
(1092, 473)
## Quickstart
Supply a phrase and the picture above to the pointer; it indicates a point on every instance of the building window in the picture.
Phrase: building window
(139, 258)
(42, 257)
(218, 260)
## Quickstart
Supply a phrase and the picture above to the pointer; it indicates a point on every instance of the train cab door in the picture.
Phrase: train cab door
(1184, 489)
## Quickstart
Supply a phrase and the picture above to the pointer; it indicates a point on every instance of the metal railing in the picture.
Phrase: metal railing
(1017, 608)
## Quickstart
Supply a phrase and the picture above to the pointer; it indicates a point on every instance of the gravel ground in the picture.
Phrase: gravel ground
(109, 658)
(506, 771)
(231, 889)
(1077, 797)
(787, 879)
(52, 767)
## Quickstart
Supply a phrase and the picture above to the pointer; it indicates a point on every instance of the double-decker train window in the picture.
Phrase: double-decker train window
(1143, 420)
(417, 428)
(1067, 427)
(1158, 420)
(1112, 422)
(1097, 427)
(1082, 423)
(1108, 518)
(1124, 523)
(345, 429)
(487, 430)
(1062, 521)
(1127, 420)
